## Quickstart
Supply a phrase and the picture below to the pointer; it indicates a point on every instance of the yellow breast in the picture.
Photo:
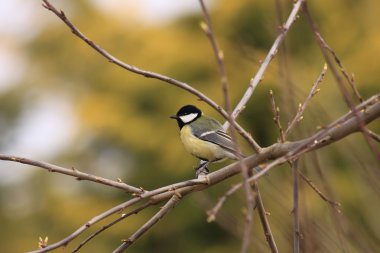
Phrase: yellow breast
(201, 149)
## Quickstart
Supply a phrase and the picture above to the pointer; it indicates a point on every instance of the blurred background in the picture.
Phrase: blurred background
(62, 103)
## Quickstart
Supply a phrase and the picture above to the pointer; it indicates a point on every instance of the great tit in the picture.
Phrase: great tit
(204, 137)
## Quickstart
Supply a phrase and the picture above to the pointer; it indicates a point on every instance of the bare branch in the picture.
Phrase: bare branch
(284, 64)
(264, 222)
(272, 52)
(295, 211)
(374, 136)
(207, 28)
(131, 68)
(214, 211)
(250, 198)
(174, 187)
(72, 172)
(333, 204)
(158, 216)
(350, 78)
(276, 116)
(301, 108)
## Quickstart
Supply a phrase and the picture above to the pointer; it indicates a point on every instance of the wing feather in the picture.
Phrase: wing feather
(220, 138)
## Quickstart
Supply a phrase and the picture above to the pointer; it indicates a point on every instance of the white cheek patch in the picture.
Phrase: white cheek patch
(188, 118)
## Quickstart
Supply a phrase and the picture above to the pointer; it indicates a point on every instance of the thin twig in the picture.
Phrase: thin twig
(208, 29)
(374, 135)
(122, 217)
(332, 203)
(272, 52)
(350, 78)
(276, 116)
(284, 66)
(296, 214)
(173, 187)
(72, 172)
(211, 213)
(264, 222)
(250, 198)
(158, 216)
(302, 107)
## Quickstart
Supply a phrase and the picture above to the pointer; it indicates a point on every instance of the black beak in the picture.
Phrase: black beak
(173, 117)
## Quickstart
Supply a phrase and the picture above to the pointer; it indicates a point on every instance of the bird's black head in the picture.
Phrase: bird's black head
(186, 115)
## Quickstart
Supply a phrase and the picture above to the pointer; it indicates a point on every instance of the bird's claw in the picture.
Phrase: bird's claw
(202, 169)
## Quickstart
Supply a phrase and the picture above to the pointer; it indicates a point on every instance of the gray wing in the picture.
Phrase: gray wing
(220, 138)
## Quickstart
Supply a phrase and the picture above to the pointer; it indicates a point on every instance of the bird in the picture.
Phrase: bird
(204, 137)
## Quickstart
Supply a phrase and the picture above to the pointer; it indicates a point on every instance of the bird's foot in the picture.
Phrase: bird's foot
(202, 169)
